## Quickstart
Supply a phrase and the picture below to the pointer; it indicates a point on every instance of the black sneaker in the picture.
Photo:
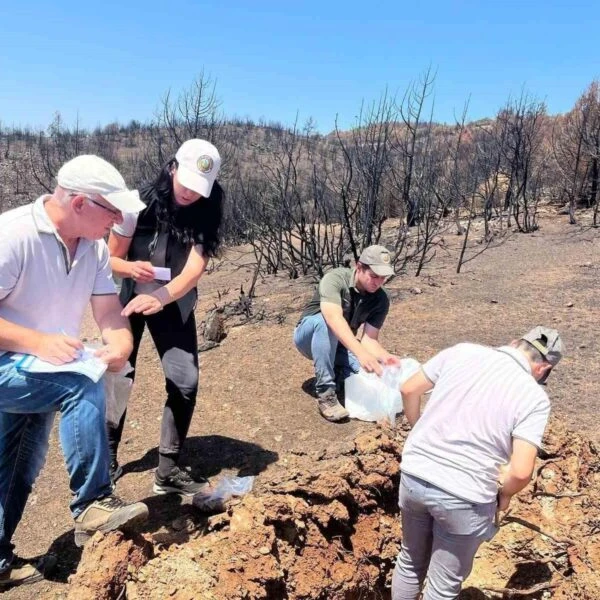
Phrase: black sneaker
(178, 482)
(22, 572)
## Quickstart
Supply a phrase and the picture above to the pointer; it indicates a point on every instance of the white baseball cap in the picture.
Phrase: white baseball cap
(199, 163)
(90, 174)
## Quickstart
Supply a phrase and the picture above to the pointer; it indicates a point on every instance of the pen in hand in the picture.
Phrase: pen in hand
(59, 348)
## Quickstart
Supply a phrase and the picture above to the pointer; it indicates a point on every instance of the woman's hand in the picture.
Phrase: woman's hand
(146, 304)
(142, 271)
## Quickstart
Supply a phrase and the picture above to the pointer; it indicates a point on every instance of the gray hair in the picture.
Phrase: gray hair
(62, 195)
(531, 352)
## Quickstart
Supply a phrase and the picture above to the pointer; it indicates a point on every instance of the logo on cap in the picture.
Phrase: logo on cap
(205, 164)
(385, 257)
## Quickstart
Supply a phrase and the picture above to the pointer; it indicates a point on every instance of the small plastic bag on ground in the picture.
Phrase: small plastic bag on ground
(117, 389)
(215, 497)
(372, 398)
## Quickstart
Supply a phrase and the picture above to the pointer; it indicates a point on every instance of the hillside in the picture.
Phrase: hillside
(322, 519)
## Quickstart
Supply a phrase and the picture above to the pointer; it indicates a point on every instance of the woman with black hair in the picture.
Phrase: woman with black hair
(178, 231)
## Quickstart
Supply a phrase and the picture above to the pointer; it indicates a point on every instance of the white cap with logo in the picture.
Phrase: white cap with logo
(90, 174)
(199, 163)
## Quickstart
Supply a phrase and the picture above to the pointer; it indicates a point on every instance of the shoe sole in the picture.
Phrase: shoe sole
(44, 567)
(161, 490)
(123, 520)
(6, 585)
(335, 419)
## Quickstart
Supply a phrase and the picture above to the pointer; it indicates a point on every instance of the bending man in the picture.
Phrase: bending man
(486, 409)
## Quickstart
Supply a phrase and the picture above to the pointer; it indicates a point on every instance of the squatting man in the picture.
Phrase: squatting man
(344, 300)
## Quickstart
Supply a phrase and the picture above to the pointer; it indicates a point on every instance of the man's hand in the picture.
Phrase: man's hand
(57, 348)
(391, 360)
(369, 362)
(502, 472)
(142, 270)
(114, 356)
(503, 502)
(147, 304)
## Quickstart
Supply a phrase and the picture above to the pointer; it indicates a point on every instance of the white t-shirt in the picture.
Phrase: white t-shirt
(127, 229)
(483, 397)
(40, 287)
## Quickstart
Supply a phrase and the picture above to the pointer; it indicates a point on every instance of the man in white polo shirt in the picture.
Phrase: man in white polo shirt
(53, 262)
(486, 409)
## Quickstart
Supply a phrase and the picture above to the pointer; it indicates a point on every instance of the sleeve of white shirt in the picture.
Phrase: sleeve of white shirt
(11, 260)
(104, 283)
(530, 426)
(434, 366)
(127, 227)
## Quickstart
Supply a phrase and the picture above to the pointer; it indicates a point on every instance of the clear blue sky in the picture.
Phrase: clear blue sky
(110, 60)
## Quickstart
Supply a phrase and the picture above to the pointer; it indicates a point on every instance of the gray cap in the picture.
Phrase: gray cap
(547, 341)
(378, 259)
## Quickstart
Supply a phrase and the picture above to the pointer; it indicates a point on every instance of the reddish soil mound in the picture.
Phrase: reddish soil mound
(325, 525)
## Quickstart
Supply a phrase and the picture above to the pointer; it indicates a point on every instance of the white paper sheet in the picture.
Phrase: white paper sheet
(162, 273)
(86, 363)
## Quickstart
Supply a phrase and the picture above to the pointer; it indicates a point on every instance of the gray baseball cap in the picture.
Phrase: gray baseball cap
(549, 344)
(378, 259)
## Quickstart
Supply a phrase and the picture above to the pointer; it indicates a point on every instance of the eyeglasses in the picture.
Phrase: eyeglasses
(113, 211)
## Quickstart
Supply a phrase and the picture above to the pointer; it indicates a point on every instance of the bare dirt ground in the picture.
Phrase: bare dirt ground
(322, 520)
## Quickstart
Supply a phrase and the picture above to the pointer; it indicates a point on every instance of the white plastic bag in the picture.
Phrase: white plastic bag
(224, 489)
(372, 398)
(117, 389)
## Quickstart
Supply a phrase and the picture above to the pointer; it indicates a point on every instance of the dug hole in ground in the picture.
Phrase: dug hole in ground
(325, 525)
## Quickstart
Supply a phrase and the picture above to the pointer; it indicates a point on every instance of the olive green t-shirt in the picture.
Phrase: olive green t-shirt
(337, 287)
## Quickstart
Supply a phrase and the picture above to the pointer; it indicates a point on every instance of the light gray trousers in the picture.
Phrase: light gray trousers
(440, 536)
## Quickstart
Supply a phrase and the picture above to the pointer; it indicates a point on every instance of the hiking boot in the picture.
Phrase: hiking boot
(330, 407)
(107, 514)
(116, 472)
(22, 572)
(178, 482)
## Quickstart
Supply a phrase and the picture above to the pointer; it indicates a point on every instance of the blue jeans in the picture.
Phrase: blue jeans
(28, 402)
(315, 341)
(440, 535)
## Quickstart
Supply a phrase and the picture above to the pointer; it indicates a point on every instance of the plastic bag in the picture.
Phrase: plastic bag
(372, 398)
(117, 389)
(225, 488)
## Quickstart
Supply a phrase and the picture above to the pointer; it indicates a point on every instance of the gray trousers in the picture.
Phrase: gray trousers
(177, 344)
(440, 536)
